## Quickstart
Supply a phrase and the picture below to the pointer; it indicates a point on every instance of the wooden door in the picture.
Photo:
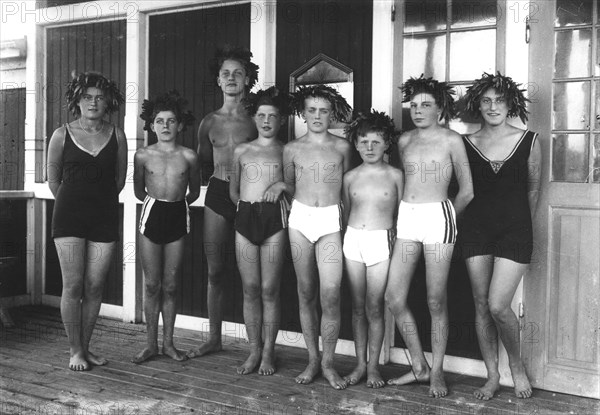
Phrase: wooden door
(560, 335)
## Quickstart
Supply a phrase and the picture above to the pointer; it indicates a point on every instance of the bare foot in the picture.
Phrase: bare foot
(312, 369)
(144, 355)
(522, 385)
(333, 378)
(267, 364)
(174, 354)
(250, 363)
(78, 363)
(357, 374)
(210, 346)
(437, 385)
(414, 376)
(374, 379)
(95, 360)
(487, 391)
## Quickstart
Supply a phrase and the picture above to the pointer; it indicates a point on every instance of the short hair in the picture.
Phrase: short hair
(169, 101)
(272, 96)
(340, 108)
(505, 86)
(371, 122)
(240, 54)
(80, 82)
(440, 91)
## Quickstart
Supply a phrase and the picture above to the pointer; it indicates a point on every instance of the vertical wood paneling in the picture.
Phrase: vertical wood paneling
(180, 48)
(96, 47)
(12, 139)
(587, 303)
(343, 31)
(566, 321)
(13, 247)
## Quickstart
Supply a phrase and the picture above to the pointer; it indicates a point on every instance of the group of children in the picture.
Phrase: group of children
(331, 203)
(374, 220)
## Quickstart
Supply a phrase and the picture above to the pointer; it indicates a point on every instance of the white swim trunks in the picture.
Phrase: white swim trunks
(428, 223)
(315, 222)
(369, 247)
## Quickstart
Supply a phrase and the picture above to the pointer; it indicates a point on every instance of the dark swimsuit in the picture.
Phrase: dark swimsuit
(498, 220)
(218, 200)
(164, 222)
(258, 221)
(87, 201)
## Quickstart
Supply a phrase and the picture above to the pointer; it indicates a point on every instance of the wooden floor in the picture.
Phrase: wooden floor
(34, 379)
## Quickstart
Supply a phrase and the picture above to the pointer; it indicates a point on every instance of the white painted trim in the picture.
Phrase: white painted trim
(97, 11)
(263, 31)
(106, 310)
(383, 57)
(16, 300)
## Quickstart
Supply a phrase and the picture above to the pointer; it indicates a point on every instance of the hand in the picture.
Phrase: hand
(272, 193)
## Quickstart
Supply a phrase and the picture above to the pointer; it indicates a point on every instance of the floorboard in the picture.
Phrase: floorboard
(34, 378)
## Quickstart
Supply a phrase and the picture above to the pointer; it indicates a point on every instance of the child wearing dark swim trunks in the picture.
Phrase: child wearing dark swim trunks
(163, 172)
(371, 193)
(260, 224)
(427, 223)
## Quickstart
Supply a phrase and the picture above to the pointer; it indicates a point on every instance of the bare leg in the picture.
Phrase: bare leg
(272, 254)
(248, 259)
(480, 272)
(376, 284)
(505, 281)
(356, 272)
(152, 264)
(98, 262)
(329, 256)
(173, 260)
(402, 268)
(307, 274)
(216, 235)
(437, 263)
(71, 254)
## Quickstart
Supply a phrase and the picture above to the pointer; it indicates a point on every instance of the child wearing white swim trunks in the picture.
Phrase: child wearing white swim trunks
(426, 222)
(371, 193)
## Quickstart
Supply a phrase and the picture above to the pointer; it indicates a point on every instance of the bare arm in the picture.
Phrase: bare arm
(121, 159)
(234, 179)
(139, 181)
(460, 163)
(205, 153)
(400, 190)
(346, 199)
(54, 164)
(194, 177)
(534, 173)
(288, 185)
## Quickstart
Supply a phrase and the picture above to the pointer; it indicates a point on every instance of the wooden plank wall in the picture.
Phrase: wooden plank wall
(98, 47)
(13, 247)
(12, 139)
(180, 48)
(343, 31)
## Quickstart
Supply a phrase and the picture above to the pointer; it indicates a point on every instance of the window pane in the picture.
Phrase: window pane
(596, 112)
(471, 54)
(463, 124)
(468, 13)
(570, 106)
(425, 15)
(573, 53)
(425, 55)
(597, 61)
(573, 12)
(570, 158)
(596, 174)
